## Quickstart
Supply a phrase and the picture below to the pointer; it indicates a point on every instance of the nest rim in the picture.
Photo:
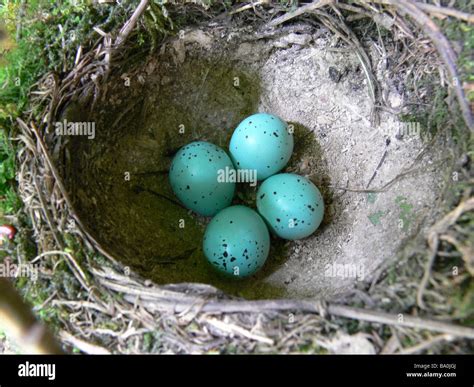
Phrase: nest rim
(186, 300)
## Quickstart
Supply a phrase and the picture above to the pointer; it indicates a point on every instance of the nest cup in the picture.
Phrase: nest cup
(136, 111)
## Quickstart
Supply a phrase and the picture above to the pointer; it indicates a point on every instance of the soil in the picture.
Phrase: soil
(199, 86)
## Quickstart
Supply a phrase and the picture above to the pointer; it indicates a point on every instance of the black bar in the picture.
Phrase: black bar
(322, 370)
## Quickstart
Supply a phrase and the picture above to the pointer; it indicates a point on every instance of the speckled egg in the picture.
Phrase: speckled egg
(291, 205)
(237, 242)
(195, 178)
(263, 143)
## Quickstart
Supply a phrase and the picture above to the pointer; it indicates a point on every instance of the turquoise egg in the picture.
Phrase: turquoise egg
(291, 205)
(263, 143)
(237, 242)
(196, 178)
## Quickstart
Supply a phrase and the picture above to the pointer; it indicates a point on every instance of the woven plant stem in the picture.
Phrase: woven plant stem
(444, 49)
(130, 24)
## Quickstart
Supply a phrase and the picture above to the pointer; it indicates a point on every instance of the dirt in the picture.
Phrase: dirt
(199, 86)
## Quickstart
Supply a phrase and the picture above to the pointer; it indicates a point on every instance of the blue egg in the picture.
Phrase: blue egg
(291, 205)
(196, 177)
(263, 143)
(237, 242)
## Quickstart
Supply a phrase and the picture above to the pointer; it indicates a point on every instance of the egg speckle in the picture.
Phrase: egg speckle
(263, 143)
(291, 205)
(194, 178)
(237, 242)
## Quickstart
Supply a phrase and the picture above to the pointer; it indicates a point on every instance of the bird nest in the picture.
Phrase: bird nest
(100, 208)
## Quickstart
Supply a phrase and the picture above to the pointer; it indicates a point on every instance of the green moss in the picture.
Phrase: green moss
(9, 202)
(311, 348)
(35, 293)
(462, 301)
